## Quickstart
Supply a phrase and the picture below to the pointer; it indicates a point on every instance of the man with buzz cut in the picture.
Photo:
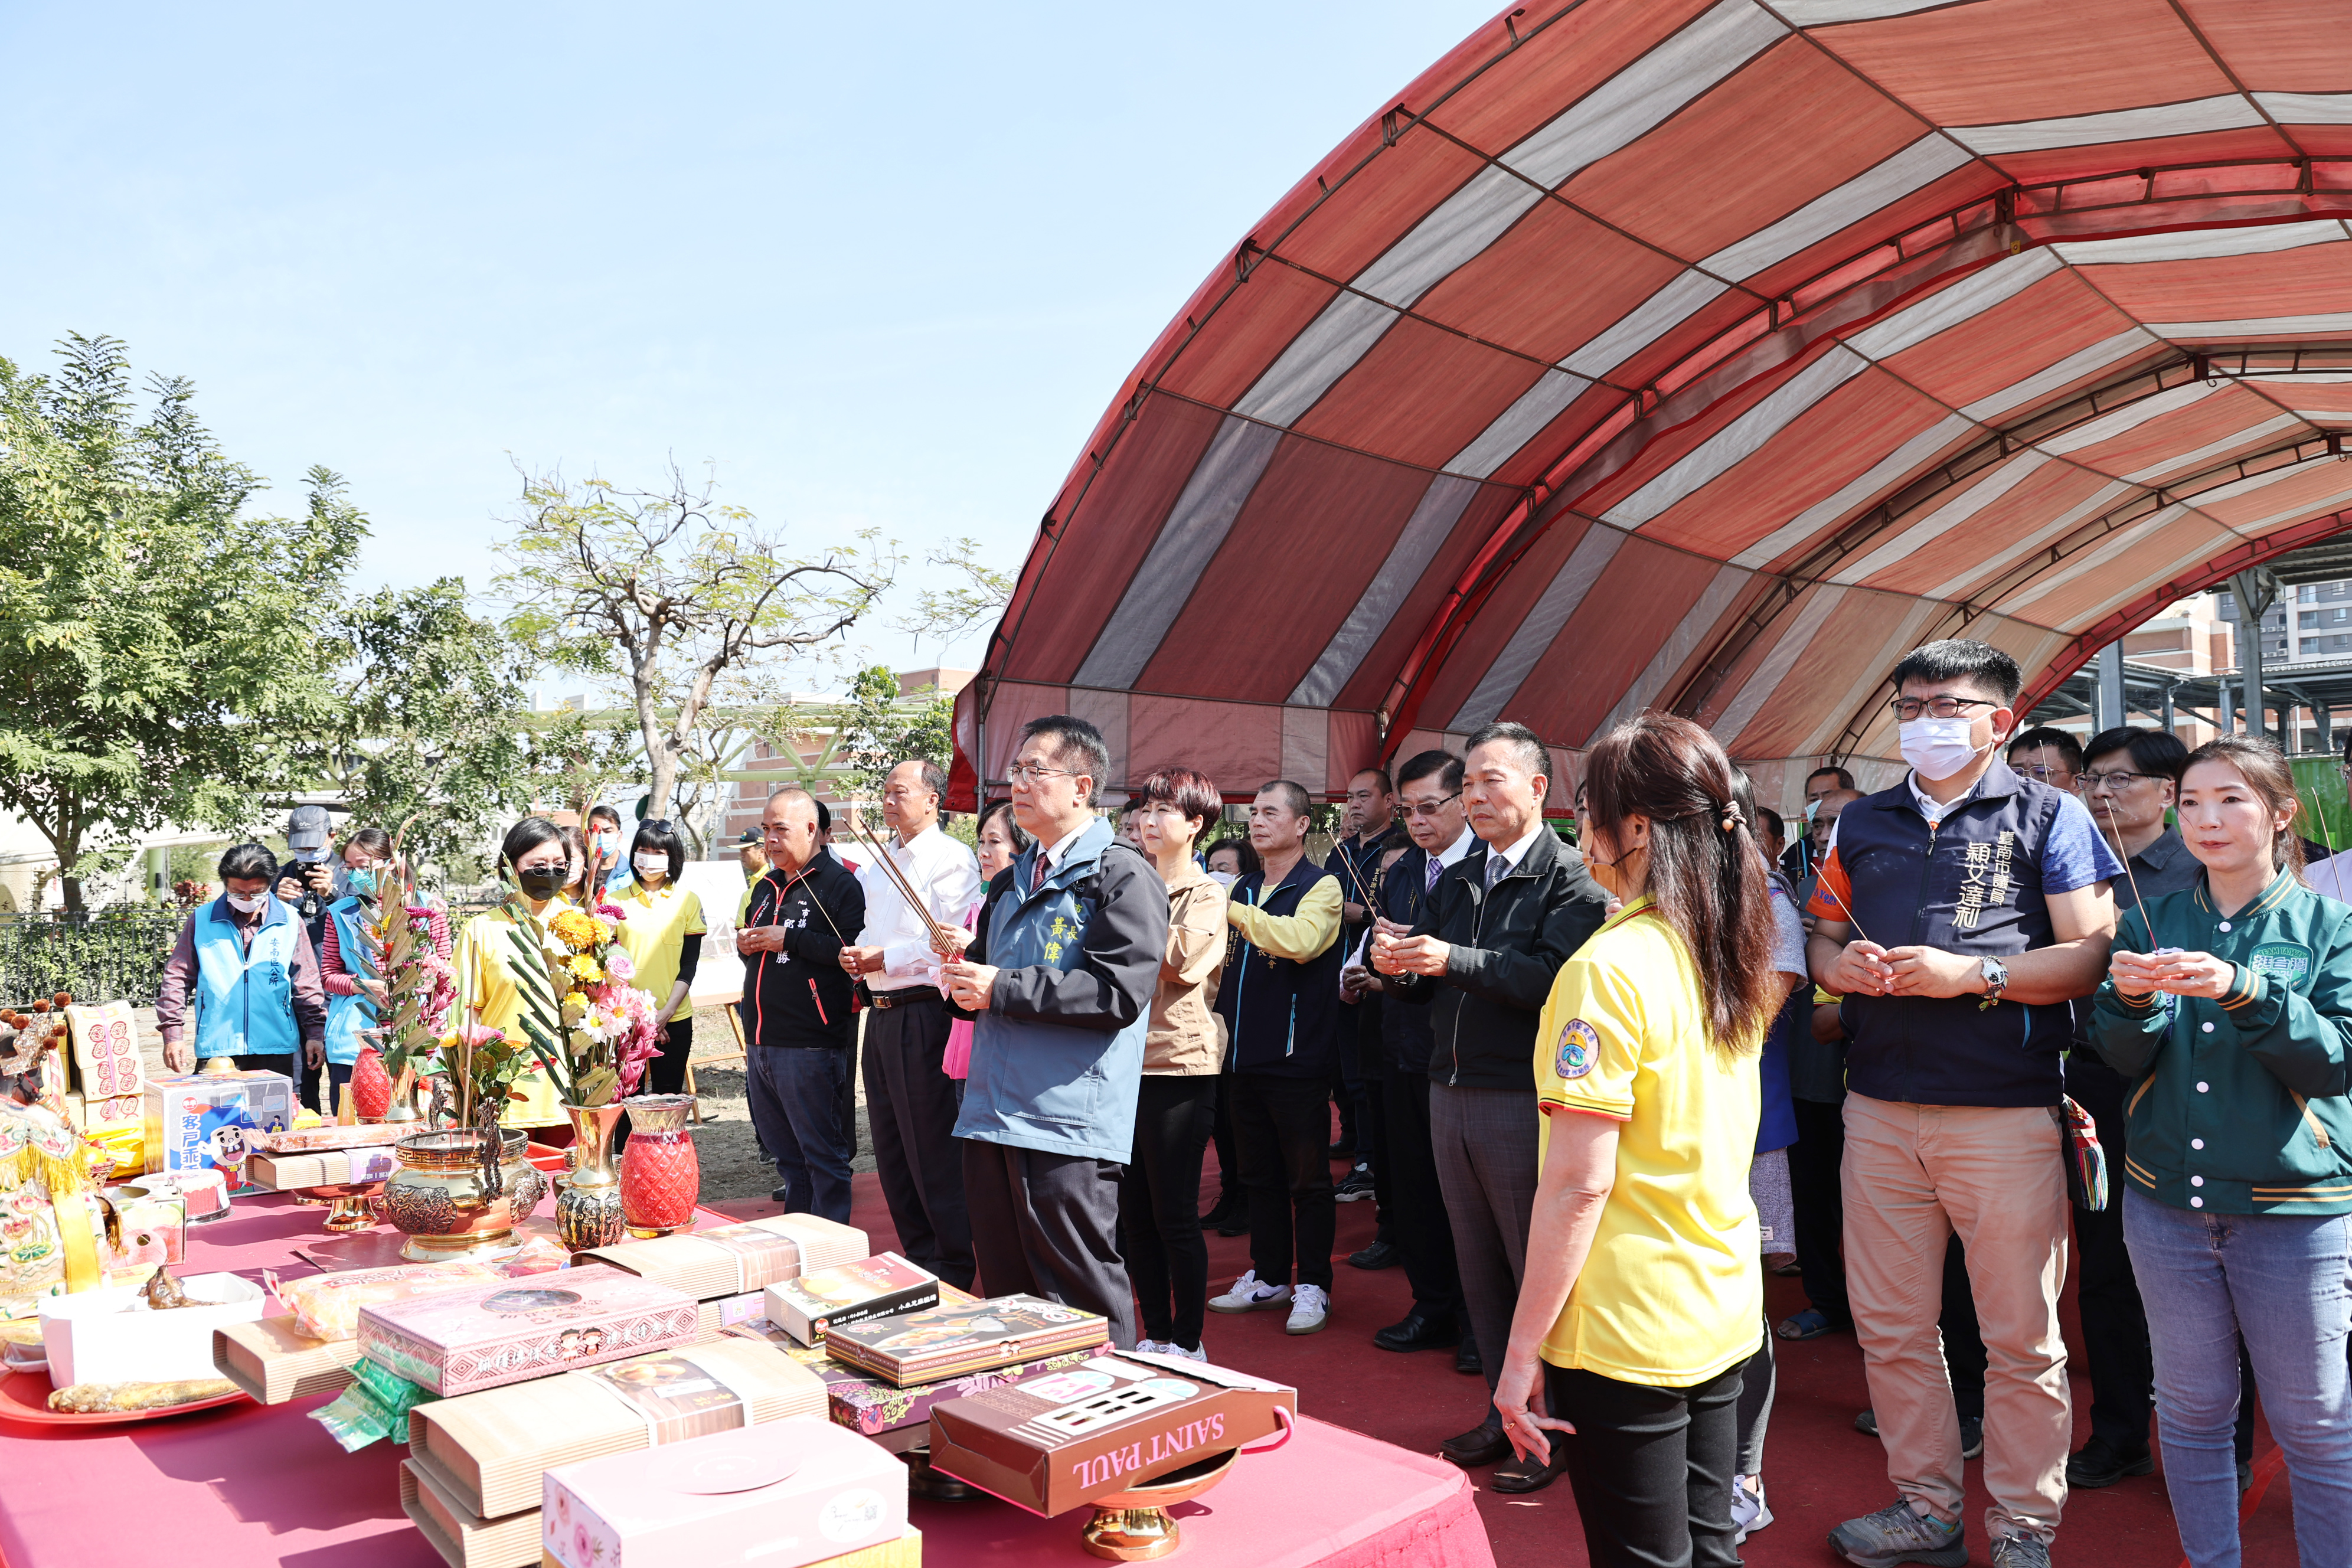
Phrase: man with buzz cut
(1958, 914)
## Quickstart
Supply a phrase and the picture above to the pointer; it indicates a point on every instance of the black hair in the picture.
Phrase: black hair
(659, 836)
(606, 812)
(575, 848)
(2056, 740)
(1844, 779)
(1423, 763)
(1239, 843)
(249, 863)
(374, 840)
(1014, 831)
(2151, 751)
(1534, 755)
(823, 814)
(1388, 787)
(1775, 825)
(525, 836)
(1075, 741)
(1961, 658)
(1295, 798)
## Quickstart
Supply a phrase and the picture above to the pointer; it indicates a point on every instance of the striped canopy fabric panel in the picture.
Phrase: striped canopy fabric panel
(1707, 356)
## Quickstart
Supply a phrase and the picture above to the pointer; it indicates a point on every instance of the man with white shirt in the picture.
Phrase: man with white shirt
(1430, 786)
(1483, 955)
(910, 1101)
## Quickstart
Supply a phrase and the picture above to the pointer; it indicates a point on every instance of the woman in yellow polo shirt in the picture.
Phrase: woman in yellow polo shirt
(535, 859)
(1643, 1297)
(663, 937)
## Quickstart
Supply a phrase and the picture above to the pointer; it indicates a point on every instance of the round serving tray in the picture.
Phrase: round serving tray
(24, 1397)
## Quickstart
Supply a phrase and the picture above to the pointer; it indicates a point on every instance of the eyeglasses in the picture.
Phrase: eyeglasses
(1909, 708)
(2049, 776)
(1431, 808)
(1029, 773)
(2113, 779)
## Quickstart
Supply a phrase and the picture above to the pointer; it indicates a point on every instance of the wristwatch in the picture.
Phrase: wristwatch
(1996, 979)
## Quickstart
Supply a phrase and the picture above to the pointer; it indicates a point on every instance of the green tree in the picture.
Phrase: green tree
(667, 591)
(431, 724)
(877, 728)
(159, 646)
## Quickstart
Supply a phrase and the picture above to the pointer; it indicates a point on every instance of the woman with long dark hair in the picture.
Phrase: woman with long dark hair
(2229, 1006)
(1644, 1296)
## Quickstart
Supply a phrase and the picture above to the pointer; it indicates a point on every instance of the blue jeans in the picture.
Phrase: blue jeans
(2280, 1280)
(796, 1093)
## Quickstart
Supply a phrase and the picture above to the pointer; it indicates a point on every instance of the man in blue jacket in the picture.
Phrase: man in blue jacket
(1059, 982)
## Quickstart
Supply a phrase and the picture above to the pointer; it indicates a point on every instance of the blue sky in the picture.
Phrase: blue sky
(884, 264)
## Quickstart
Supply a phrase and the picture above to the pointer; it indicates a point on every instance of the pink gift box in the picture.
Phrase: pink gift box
(782, 1494)
(509, 1330)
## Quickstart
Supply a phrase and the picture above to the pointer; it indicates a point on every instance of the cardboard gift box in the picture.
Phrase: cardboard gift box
(509, 1330)
(786, 1494)
(273, 1361)
(112, 1336)
(877, 1409)
(737, 1259)
(106, 1051)
(334, 1135)
(906, 1552)
(873, 1286)
(326, 1168)
(1054, 1443)
(205, 1122)
(489, 1451)
(926, 1346)
(464, 1539)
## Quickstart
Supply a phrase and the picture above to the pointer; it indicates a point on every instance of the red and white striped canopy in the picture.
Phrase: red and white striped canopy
(1708, 355)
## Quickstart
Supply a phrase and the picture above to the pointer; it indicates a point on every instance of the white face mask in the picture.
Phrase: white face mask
(1812, 809)
(249, 906)
(649, 866)
(1937, 748)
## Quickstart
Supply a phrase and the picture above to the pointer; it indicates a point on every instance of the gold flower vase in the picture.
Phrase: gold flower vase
(439, 1200)
(588, 1200)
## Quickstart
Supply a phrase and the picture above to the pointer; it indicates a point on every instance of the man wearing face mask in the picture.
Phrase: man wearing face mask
(1801, 857)
(244, 967)
(1958, 914)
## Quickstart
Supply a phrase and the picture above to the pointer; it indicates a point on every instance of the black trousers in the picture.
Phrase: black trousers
(2115, 1323)
(1373, 1112)
(666, 1074)
(1221, 1133)
(1819, 1194)
(1047, 1225)
(1418, 1225)
(1159, 1206)
(910, 1108)
(1651, 1467)
(1282, 1133)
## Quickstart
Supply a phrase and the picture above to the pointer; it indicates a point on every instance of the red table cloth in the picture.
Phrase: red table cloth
(249, 1484)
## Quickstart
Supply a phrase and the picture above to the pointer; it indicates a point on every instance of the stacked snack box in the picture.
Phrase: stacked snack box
(207, 1123)
(509, 1330)
(728, 1269)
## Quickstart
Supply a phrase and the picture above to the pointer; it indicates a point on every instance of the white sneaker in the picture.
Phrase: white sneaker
(1170, 1347)
(1309, 1305)
(1248, 1295)
(1150, 1346)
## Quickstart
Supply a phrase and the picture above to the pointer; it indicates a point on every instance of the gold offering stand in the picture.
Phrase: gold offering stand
(1134, 1526)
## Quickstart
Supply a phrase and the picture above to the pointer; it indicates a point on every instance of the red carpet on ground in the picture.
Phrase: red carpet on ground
(1818, 1469)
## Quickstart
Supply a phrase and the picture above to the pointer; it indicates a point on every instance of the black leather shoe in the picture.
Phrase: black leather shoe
(1482, 1444)
(781, 1195)
(1528, 1475)
(1222, 1212)
(1380, 1255)
(1345, 1149)
(2100, 1466)
(1466, 1357)
(1417, 1333)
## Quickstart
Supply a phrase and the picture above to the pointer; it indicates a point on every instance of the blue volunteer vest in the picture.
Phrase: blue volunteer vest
(245, 998)
(347, 1016)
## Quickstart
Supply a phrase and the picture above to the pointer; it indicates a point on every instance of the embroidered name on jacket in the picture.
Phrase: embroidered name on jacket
(2285, 962)
(1984, 879)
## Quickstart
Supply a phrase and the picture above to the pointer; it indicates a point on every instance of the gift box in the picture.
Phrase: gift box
(906, 1552)
(327, 1168)
(943, 1341)
(850, 1293)
(334, 1135)
(734, 1259)
(489, 1451)
(786, 1494)
(874, 1407)
(1056, 1443)
(274, 1361)
(505, 1331)
(106, 1051)
(144, 1217)
(112, 1336)
(463, 1539)
(207, 1124)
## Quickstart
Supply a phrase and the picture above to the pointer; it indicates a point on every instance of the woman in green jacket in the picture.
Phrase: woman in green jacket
(2229, 1006)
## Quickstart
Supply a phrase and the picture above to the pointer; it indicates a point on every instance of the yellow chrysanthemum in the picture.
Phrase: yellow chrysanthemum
(584, 969)
(577, 929)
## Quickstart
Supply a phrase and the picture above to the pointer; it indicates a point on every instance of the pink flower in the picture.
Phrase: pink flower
(620, 966)
(612, 911)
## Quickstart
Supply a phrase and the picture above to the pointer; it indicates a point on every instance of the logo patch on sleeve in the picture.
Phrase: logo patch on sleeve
(2287, 963)
(1579, 1048)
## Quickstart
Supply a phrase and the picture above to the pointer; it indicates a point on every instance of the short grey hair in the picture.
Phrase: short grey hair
(1532, 754)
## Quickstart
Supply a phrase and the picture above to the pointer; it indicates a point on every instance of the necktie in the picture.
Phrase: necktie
(1495, 867)
(1037, 873)
(1436, 871)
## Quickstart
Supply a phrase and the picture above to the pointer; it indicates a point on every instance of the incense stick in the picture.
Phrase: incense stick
(2125, 855)
(898, 878)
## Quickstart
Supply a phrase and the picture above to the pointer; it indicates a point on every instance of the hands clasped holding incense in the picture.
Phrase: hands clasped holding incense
(1863, 968)
(2182, 973)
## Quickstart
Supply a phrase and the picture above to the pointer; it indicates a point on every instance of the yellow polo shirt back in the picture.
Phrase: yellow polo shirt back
(1672, 1292)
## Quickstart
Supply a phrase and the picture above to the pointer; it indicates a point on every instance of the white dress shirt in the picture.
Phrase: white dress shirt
(947, 876)
(1512, 855)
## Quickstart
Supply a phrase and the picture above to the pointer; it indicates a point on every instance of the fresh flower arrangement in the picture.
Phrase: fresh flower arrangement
(419, 985)
(588, 1027)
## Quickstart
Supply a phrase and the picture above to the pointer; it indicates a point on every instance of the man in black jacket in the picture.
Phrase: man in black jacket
(794, 922)
(1495, 932)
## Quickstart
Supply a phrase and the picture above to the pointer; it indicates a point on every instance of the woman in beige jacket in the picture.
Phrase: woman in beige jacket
(1159, 1199)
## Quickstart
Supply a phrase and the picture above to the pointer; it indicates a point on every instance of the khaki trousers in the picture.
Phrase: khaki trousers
(1913, 1175)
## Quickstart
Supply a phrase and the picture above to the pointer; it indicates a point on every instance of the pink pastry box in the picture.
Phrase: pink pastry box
(784, 1493)
(509, 1330)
